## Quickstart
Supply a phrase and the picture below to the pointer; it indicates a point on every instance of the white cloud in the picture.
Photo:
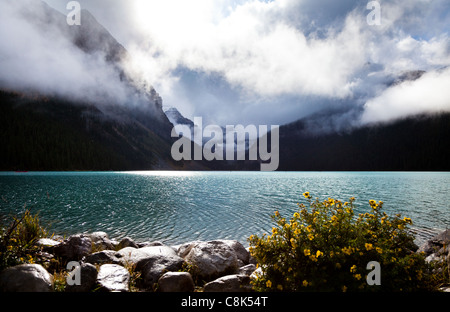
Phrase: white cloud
(283, 59)
(38, 56)
(252, 49)
(429, 94)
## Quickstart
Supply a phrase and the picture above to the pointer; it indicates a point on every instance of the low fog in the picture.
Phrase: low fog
(39, 54)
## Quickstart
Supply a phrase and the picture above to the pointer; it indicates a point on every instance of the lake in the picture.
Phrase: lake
(180, 206)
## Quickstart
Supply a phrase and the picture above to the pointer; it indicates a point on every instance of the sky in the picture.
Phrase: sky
(274, 62)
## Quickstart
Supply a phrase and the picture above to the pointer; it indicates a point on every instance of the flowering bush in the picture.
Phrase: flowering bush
(17, 240)
(326, 247)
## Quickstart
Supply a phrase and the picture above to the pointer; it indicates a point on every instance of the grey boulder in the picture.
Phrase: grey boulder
(74, 247)
(229, 283)
(87, 274)
(176, 282)
(211, 259)
(101, 241)
(26, 278)
(113, 278)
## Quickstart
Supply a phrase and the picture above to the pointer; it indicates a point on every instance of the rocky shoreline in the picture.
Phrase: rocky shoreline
(103, 264)
(97, 263)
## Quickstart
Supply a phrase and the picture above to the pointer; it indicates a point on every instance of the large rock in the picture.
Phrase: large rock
(113, 278)
(247, 269)
(133, 256)
(87, 274)
(47, 242)
(159, 260)
(103, 257)
(212, 259)
(442, 238)
(101, 241)
(127, 242)
(185, 248)
(74, 247)
(437, 248)
(229, 283)
(242, 254)
(151, 261)
(26, 278)
(176, 282)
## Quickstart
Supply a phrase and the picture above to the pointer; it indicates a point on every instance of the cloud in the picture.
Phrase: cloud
(428, 94)
(253, 49)
(255, 61)
(37, 54)
(292, 54)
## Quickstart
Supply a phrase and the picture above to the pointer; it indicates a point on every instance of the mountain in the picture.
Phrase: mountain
(42, 130)
(176, 118)
(47, 131)
(419, 143)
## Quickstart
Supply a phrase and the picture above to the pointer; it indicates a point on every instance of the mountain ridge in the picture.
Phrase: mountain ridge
(49, 132)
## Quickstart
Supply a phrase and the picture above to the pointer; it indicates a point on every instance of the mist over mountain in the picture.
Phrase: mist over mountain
(74, 98)
(68, 102)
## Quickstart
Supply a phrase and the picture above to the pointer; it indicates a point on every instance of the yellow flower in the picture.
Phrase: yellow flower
(407, 220)
(319, 253)
(280, 287)
(334, 218)
(358, 276)
(372, 202)
(307, 252)
(274, 230)
(379, 250)
(310, 237)
(305, 283)
(353, 269)
(268, 284)
(306, 194)
(368, 246)
(313, 258)
(347, 250)
(277, 213)
(296, 215)
(294, 245)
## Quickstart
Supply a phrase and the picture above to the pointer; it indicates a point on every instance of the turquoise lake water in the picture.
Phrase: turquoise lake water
(177, 207)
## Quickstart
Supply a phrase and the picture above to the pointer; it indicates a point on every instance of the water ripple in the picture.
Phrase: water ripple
(175, 208)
